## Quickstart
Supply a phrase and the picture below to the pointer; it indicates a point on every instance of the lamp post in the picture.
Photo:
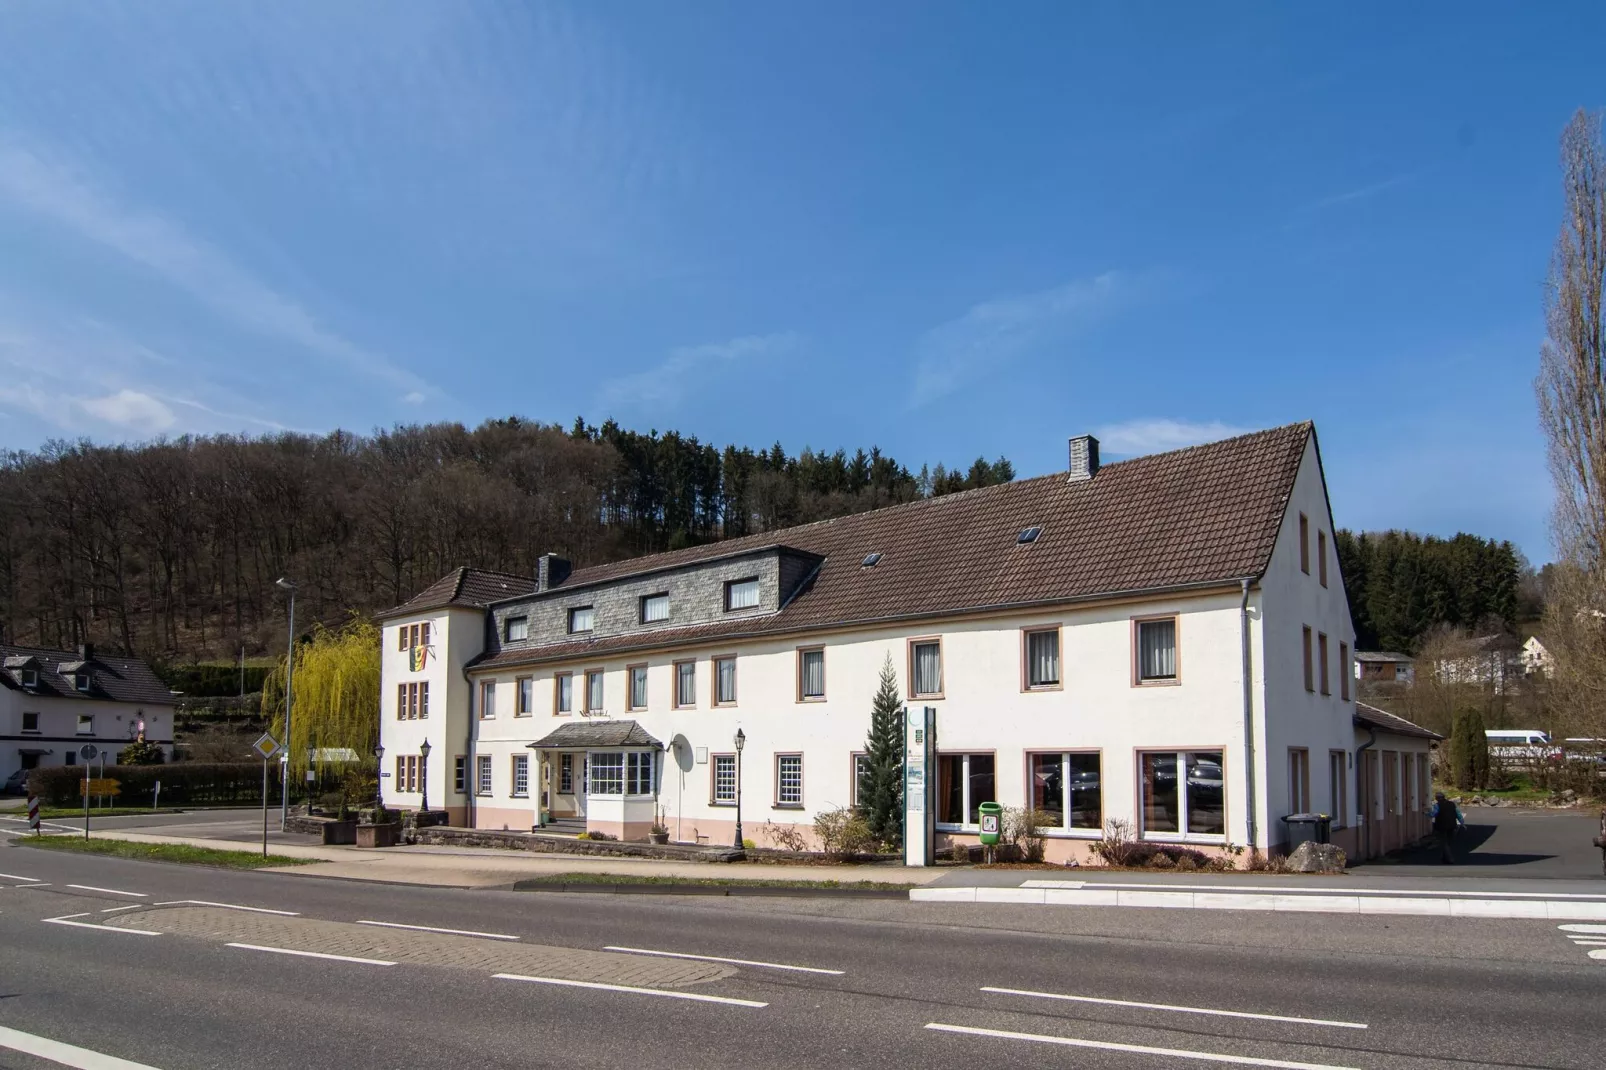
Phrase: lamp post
(423, 777)
(379, 783)
(741, 741)
(289, 692)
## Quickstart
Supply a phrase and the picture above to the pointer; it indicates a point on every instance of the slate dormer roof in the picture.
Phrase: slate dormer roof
(116, 678)
(473, 588)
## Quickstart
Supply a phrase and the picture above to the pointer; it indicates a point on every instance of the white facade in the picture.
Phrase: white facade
(40, 731)
(984, 708)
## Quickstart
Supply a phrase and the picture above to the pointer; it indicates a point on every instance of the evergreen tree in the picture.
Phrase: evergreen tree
(881, 786)
(1468, 761)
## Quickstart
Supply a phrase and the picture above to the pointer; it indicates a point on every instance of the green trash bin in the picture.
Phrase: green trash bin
(992, 817)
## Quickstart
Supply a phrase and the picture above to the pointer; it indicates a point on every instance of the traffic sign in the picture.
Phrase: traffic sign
(267, 746)
(89, 752)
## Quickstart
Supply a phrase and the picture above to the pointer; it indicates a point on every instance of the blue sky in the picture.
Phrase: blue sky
(947, 229)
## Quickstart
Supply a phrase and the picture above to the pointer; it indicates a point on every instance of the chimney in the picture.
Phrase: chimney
(1084, 458)
(550, 571)
(86, 652)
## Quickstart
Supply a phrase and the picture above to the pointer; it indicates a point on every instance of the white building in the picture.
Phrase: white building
(1082, 636)
(52, 702)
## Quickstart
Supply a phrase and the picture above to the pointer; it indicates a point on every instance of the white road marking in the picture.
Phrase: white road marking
(227, 906)
(433, 929)
(311, 954)
(113, 910)
(41, 884)
(14, 877)
(1177, 1009)
(108, 891)
(65, 1054)
(716, 958)
(1598, 953)
(1579, 928)
(1136, 1049)
(66, 919)
(697, 996)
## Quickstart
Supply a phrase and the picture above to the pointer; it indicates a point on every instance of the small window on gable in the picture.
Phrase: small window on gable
(518, 628)
(1029, 535)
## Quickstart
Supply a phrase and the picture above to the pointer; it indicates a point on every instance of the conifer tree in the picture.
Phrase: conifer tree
(881, 785)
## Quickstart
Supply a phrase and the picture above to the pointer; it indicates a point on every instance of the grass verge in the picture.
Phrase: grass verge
(635, 879)
(61, 813)
(160, 852)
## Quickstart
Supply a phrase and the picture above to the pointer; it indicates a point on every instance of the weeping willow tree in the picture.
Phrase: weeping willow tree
(337, 693)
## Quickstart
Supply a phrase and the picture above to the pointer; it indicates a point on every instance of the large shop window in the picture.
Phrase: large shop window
(1192, 805)
(1067, 789)
(964, 782)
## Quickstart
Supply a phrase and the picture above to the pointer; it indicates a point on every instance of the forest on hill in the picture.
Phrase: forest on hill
(170, 549)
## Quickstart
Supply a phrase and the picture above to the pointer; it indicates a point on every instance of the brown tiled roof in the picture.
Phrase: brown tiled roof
(1384, 721)
(116, 678)
(1192, 517)
(463, 586)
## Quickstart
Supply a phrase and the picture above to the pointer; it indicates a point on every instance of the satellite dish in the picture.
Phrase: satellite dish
(683, 752)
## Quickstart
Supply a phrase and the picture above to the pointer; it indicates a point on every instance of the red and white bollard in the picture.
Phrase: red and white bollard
(33, 812)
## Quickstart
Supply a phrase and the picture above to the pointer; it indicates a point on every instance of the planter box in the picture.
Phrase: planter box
(659, 838)
(340, 833)
(377, 835)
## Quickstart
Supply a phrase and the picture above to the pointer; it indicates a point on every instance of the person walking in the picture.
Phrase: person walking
(1447, 820)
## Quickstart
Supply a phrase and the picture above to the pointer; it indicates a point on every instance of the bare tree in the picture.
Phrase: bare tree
(1571, 388)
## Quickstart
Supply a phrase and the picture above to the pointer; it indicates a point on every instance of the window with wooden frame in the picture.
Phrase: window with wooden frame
(565, 774)
(1345, 671)
(811, 674)
(1321, 556)
(563, 692)
(1040, 659)
(925, 667)
(401, 702)
(483, 773)
(524, 688)
(1310, 668)
(789, 780)
(521, 776)
(638, 686)
(1321, 653)
(722, 780)
(401, 637)
(401, 774)
(581, 619)
(741, 594)
(1338, 788)
(488, 700)
(460, 775)
(654, 608)
(423, 634)
(859, 782)
(594, 692)
(518, 629)
(1298, 780)
(1304, 544)
(423, 700)
(725, 680)
(685, 685)
(1155, 658)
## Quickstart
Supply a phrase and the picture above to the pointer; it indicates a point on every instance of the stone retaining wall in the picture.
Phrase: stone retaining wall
(531, 841)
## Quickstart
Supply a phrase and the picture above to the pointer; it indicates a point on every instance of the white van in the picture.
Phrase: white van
(1520, 744)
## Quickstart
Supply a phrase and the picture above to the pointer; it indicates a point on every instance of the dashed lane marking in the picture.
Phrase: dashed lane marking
(1177, 1009)
(1582, 928)
(433, 929)
(67, 919)
(1135, 1049)
(695, 996)
(312, 954)
(65, 1054)
(716, 958)
(109, 891)
(16, 877)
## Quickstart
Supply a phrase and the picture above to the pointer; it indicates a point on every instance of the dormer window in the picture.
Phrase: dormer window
(518, 628)
(742, 594)
(30, 678)
(581, 619)
(83, 680)
(654, 608)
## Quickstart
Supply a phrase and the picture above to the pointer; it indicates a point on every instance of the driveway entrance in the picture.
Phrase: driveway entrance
(1509, 842)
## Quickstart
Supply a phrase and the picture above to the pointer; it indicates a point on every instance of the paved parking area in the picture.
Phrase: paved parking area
(1510, 842)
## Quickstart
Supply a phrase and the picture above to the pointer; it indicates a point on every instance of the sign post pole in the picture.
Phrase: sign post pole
(267, 746)
(87, 752)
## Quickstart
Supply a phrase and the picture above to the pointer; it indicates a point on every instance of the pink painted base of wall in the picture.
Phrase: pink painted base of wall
(517, 819)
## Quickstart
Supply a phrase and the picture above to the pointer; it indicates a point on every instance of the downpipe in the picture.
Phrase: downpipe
(1249, 725)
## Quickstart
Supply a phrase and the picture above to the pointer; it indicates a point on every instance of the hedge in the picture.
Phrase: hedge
(183, 783)
(203, 681)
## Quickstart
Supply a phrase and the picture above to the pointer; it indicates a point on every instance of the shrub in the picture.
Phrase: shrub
(748, 844)
(211, 680)
(1118, 847)
(786, 837)
(843, 832)
(959, 852)
(183, 784)
(1025, 827)
(140, 752)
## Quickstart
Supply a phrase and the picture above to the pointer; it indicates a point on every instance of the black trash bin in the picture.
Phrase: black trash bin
(1317, 828)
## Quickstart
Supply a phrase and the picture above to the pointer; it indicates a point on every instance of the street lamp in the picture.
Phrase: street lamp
(741, 741)
(423, 778)
(289, 691)
(379, 783)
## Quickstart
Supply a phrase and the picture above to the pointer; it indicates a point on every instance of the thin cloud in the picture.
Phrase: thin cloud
(1360, 194)
(53, 190)
(132, 410)
(960, 350)
(1158, 434)
(668, 383)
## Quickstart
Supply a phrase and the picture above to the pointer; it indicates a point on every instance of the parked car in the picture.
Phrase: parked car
(16, 783)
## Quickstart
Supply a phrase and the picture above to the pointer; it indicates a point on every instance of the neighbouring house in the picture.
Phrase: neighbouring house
(1383, 667)
(1491, 661)
(1392, 766)
(1084, 638)
(1535, 658)
(52, 702)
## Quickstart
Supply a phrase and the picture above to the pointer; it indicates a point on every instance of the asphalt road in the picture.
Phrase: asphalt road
(1430, 992)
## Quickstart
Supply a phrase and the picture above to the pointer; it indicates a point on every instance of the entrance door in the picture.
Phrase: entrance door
(1370, 843)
